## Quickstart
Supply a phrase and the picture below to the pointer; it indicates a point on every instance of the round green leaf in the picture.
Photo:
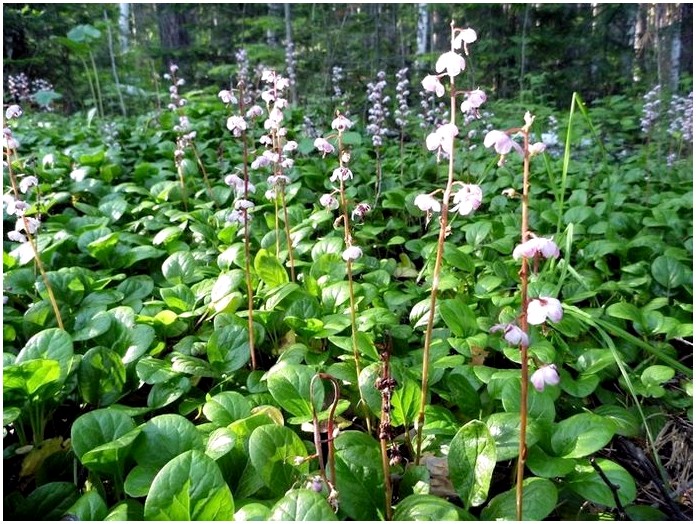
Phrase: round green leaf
(189, 487)
(31, 380)
(163, 438)
(359, 476)
(543, 465)
(220, 442)
(302, 505)
(272, 451)
(656, 375)
(505, 430)
(226, 407)
(90, 506)
(101, 376)
(587, 483)
(290, 387)
(179, 268)
(252, 511)
(539, 500)
(471, 460)
(669, 272)
(52, 344)
(581, 435)
(426, 508)
(228, 348)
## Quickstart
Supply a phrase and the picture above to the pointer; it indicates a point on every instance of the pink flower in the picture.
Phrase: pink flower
(341, 173)
(227, 97)
(513, 334)
(474, 100)
(432, 84)
(501, 142)
(236, 124)
(352, 253)
(450, 62)
(328, 201)
(243, 204)
(14, 111)
(463, 37)
(442, 138)
(27, 182)
(16, 236)
(537, 148)
(467, 199)
(426, 202)
(254, 111)
(545, 375)
(323, 145)
(362, 209)
(341, 123)
(290, 146)
(545, 247)
(542, 308)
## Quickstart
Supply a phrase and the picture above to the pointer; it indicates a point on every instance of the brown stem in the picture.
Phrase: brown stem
(386, 385)
(34, 246)
(287, 232)
(208, 189)
(524, 326)
(436, 279)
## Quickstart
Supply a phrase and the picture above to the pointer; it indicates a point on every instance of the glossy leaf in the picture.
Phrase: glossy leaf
(581, 435)
(272, 451)
(539, 495)
(302, 505)
(471, 460)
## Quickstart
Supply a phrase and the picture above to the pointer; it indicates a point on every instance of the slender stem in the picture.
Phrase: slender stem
(208, 189)
(247, 240)
(524, 326)
(89, 81)
(436, 279)
(96, 81)
(378, 182)
(386, 386)
(287, 232)
(184, 197)
(33, 244)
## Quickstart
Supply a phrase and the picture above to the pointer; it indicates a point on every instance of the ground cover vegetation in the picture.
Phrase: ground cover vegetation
(415, 302)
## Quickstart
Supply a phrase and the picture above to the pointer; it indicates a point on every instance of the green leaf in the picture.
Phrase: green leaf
(101, 376)
(49, 501)
(406, 403)
(459, 317)
(543, 465)
(669, 272)
(359, 476)
(97, 325)
(226, 407)
(625, 310)
(51, 344)
(505, 429)
(189, 487)
(302, 505)
(290, 387)
(272, 451)
(471, 460)
(656, 375)
(35, 380)
(587, 483)
(581, 435)
(139, 480)
(128, 510)
(90, 506)
(96, 429)
(220, 442)
(269, 269)
(179, 268)
(539, 496)
(164, 393)
(164, 437)
(228, 348)
(627, 423)
(426, 508)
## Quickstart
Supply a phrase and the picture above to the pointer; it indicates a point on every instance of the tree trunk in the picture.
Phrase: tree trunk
(123, 25)
(273, 12)
(290, 58)
(173, 33)
(686, 60)
(422, 30)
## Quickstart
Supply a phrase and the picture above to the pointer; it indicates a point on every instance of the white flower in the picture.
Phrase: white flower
(450, 62)
(227, 97)
(341, 123)
(545, 375)
(341, 173)
(328, 201)
(542, 308)
(443, 138)
(14, 111)
(545, 247)
(426, 202)
(323, 145)
(352, 253)
(432, 84)
(28, 182)
(463, 37)
(467, 199)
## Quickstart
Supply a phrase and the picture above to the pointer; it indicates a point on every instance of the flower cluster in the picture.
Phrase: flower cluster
(651, 109)
(680, 116)
(432, 113)
(377, 112)
(14, 204)
(402, 91)
(243, 77)
(291, 62)
(337, 76)
(183, 128)
(502, 141)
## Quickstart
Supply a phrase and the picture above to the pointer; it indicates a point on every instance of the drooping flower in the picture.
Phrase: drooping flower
(28, 182)
(14, 111)
(545, 375)
(426, 202)
(451, 62)
(341, 173)
(542, 308)
(474, 100)
(324, 146)
(501, 142)
(362, 209)
(243, 204)
(236, 124)
(328, 201)
(341, 123)
(514, 335)
(467, 199)
(537, 148)
(442, 138)
(227, 97)
(463, 37)
(432, 84)
(352, 253)
(545, 247)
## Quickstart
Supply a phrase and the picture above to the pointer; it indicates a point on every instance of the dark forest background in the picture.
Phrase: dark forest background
(539, 52)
